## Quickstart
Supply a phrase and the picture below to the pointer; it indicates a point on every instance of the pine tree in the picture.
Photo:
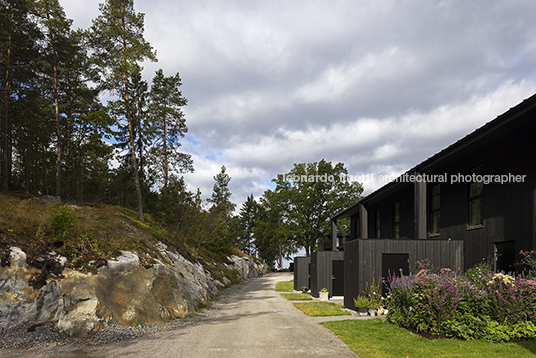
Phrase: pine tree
(169, 123)
(118, 49)
(58, 41)
(221, 195)
(246, 225)
(19, 55)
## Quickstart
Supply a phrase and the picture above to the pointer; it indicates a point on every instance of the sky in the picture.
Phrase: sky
(377, 85)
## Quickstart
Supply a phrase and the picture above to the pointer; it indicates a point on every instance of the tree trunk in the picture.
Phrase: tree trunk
(5, 123)
(58, 132)
(68, 151)
(280, 258)
(131, 135)
(165, 155)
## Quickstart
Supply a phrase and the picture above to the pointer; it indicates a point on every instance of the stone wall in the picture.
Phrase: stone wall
(121, 292)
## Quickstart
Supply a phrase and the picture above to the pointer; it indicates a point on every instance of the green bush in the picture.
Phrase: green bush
(361, 301)
(63, 222)
(480, 273)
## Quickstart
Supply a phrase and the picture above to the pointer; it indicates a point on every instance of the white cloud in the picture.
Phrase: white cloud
(379, 86)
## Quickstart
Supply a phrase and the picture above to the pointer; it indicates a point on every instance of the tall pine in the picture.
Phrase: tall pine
(116, 38)
(58, 40)
(169, 124)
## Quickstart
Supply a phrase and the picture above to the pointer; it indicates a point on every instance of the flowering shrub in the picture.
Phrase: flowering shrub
(529, 259)
(498, 309)
(425, 264)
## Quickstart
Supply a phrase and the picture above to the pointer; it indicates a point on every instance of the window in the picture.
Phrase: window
(377, 223)
(435, 212)
(476, 200)
(396, 220)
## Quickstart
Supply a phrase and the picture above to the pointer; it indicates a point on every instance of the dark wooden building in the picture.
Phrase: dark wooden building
(365, 258)
(481, 190)
(301, 272)
(327, 271)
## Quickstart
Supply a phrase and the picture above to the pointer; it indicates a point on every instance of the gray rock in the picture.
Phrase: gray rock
(48, 200)
(120, 293)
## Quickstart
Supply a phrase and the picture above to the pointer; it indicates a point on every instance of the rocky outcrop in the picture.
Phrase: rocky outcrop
(246, 267)
(121, 292)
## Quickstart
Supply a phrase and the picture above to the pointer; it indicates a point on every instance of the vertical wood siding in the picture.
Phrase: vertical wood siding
(366, 259)
(321, 270)
(301, 272)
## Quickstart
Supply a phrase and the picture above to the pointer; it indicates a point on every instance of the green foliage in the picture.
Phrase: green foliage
(221, 195)
(529, 259)
(312, 193)
(168, 125)
(374, 293)
(362, 301)
(324, 290)
(135, 322)
(480, 273)
(249, 213)
(62, 222)
(272, 236)
(231, 275)
(500, 309)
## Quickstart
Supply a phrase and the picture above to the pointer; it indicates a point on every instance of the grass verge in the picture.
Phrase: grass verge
(319, 309)
(284, 286)
(297, 296)
(376, 338)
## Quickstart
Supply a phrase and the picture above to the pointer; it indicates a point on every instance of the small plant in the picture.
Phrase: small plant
(361, 301)
(135, 322)
(373, 292)
(373, 306)
(63, 221)
(304, 289)
(324, 290)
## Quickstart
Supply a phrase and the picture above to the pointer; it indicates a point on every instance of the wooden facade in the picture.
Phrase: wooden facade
(365, 258)
(322, 273)
(301, 272)
(473, 201)
(494, 217)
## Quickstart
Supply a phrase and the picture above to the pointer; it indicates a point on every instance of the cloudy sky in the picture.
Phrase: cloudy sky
(377, 85)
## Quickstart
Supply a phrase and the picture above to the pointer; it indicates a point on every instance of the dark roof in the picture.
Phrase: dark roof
(495, 127)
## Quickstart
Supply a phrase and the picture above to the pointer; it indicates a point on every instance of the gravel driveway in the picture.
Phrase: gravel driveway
(254, 321)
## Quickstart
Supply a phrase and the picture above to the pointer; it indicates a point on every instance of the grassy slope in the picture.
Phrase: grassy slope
(98, 233)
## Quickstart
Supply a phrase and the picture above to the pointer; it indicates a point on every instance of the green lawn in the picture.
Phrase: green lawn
(284, 286)
(376, 338)
(297, 296)
(321, 309)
